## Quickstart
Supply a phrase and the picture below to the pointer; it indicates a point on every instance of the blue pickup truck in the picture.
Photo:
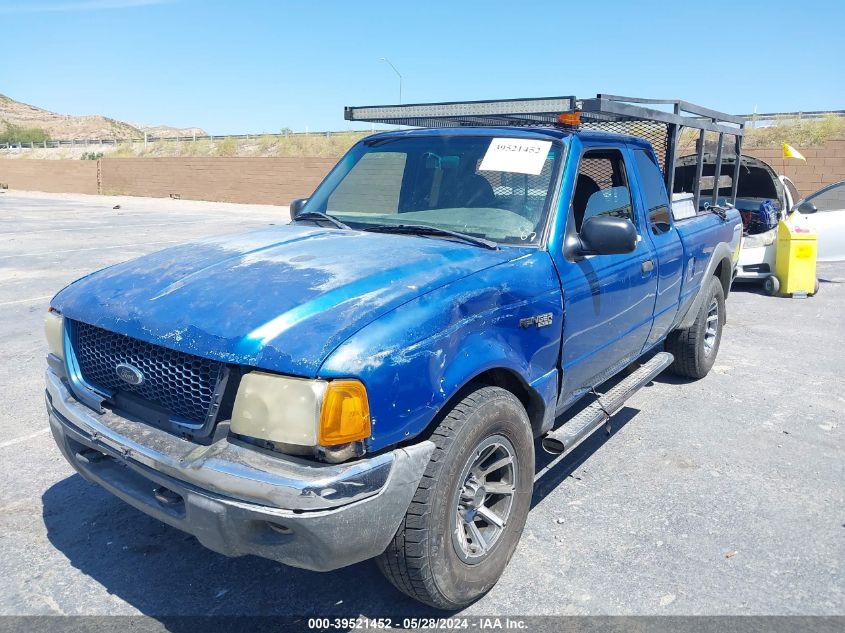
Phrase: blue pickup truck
(371, 380)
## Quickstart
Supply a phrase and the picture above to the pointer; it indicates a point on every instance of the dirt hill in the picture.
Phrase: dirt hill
(65, 126)
(163, 131)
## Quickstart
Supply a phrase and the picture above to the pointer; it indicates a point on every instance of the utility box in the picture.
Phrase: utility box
(795, 259)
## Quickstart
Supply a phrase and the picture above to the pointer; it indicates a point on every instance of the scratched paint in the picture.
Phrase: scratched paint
(415, 318)
(419, 355)
(280, 299)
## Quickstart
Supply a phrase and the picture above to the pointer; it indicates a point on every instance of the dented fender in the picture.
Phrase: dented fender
(417, 357)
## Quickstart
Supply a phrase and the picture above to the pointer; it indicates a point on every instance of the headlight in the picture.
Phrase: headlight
(54, 330)
(301, 413)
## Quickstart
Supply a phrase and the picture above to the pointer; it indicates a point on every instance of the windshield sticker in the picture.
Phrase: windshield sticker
(520, 156)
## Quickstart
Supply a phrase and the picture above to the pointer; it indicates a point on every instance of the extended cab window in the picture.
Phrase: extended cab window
(495, 188)
(654, 192)
(601, 187)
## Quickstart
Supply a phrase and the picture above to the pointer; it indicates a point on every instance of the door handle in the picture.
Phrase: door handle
(647, 266)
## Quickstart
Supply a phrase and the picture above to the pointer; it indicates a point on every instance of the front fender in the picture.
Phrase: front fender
(414, 359)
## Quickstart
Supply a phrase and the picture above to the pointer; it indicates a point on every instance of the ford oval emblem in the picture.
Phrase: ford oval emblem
(129, 373)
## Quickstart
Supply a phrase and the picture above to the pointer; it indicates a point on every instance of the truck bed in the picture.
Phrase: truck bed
(697, 248)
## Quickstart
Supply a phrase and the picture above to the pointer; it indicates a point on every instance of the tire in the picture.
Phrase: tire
(695, 348)
(771, 285)
(428, 559)
(816, 287)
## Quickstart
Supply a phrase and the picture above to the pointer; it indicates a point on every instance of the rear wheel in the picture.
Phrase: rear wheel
(695, 348)
(467, 515)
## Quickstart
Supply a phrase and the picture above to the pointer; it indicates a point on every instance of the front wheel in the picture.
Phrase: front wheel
(469, 510)
(695, 348)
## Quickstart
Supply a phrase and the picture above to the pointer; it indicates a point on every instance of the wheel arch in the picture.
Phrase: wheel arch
(724, 272)
(510, 380)
(505, 378)
(719, 266)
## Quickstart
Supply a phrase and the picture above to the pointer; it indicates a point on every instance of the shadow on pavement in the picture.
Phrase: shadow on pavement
(161, 571)
(748, 287)
(554, 476)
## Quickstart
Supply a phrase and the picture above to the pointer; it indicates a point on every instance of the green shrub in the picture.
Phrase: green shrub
(19, 134)
(797, 132)
(806, 132)
(227, 147)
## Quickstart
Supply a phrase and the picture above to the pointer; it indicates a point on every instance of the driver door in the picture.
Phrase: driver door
(608, 299)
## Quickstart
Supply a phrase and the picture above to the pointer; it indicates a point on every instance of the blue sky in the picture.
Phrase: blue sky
(250, 66)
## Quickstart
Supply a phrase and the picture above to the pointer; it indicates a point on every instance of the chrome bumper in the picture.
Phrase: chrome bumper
(237, 500)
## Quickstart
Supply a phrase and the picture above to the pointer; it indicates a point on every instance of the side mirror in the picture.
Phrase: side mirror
(296, 206)
(607, 235)
(806, 207)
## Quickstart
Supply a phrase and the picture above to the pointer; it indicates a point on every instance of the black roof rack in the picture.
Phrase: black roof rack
(609, 113)
(544, 111)
(519, 112)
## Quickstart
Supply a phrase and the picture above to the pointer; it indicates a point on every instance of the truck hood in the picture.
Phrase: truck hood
(281, 299)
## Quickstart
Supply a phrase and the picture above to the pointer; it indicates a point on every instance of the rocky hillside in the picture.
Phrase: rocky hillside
(65, 126)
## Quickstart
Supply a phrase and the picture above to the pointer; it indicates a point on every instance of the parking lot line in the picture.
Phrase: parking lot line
(92, 248)
(105, 228)
(24, 438)
(30, 300)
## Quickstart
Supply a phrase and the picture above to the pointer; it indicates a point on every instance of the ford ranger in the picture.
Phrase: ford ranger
(370, 379)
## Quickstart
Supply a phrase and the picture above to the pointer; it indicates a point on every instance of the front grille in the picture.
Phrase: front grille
(182, 384)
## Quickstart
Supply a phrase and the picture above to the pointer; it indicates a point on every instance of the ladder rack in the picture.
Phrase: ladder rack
(609, 113)
(544, 111)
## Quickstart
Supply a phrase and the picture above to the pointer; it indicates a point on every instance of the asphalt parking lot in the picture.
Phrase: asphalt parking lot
(722, 496)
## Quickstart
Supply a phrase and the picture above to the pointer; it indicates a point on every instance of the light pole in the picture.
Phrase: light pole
(398, 74)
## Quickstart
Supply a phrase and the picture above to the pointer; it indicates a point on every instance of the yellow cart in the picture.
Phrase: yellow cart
(795, 261)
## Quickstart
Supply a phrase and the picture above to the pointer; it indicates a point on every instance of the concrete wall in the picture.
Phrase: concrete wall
(279, 180)
(251, 180)
(825, 165)
(55, 176)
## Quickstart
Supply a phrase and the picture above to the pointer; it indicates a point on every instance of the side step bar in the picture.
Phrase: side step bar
(580, 427)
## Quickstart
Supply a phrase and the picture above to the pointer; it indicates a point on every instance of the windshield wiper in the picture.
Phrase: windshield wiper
(424, 229)
(319, 215)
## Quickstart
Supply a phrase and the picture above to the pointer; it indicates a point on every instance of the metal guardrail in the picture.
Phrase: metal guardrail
(757, 117)
(770, 116)
(89, 142)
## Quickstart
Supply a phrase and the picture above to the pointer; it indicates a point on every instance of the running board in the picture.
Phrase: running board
(582, 425)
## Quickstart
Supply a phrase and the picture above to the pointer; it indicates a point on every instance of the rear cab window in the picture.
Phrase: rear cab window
(653, 192)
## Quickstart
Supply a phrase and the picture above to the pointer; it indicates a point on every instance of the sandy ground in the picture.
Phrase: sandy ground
(722, 496)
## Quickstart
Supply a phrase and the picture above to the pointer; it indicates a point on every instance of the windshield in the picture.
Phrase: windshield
(494, 188)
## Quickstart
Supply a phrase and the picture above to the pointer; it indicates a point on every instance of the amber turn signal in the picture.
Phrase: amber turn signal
(345, 415)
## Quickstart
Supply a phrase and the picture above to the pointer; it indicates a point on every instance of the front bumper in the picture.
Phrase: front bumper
(237, 500)
(757, 257)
